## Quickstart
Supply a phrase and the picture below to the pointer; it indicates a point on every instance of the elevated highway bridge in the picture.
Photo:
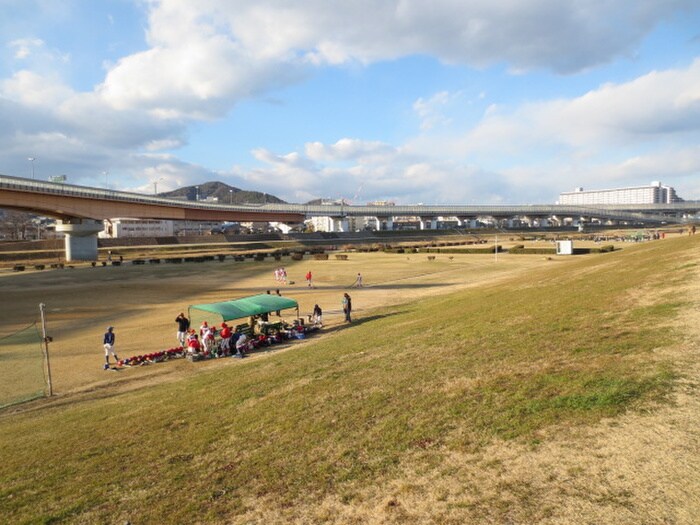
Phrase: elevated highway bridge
(80, 210)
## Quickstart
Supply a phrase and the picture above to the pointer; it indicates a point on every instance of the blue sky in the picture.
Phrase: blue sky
(444, 101)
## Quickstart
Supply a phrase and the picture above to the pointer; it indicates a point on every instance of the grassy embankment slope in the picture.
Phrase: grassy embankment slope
(396, 397)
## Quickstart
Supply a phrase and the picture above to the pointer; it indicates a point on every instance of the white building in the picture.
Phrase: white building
(329, 224)
(186, 228)
(655, 193)
(121, 228)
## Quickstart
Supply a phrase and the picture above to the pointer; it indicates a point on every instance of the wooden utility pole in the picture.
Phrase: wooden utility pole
(47, 340)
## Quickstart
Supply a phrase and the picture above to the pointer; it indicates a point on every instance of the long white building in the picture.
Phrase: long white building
(124, 227)
(655, 193)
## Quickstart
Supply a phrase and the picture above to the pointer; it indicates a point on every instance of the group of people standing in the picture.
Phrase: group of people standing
(210, 340)
(223, 341)
(281, 275)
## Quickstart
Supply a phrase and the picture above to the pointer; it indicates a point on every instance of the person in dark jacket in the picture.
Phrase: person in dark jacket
(183, 325)
(347, 307)
(317, 316)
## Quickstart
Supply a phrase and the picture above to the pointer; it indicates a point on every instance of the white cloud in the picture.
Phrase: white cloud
(158, 145)
(35, 49)
(34, 90)
(619, 134)
(430, 111)
(372, 171)
(545, 33)
(24, 47)
(205, 56)
(653, 107)
(348, 149)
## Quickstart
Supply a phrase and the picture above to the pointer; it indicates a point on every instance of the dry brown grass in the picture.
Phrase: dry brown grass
(640, 467)
(141, 302)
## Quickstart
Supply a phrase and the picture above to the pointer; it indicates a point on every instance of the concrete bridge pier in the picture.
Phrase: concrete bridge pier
(468, 222)
(81, 238)
(340, 225)
(385, 223)
(428, 223)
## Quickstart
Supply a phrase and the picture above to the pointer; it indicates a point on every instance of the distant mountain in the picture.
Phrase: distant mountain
(223, 192)
(322, 201)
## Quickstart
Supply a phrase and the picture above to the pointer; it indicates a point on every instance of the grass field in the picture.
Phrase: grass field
(22, 375)
(523, 391)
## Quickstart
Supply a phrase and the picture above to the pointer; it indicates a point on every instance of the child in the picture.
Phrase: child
(193, 346)
(108, 342)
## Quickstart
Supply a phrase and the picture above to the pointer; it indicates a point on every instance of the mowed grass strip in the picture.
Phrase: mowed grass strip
(455, 372)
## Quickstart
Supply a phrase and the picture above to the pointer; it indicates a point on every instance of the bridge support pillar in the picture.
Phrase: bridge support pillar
(428, 223)
(339, 225)
(81, 238)
(468, 222)
(384, 223)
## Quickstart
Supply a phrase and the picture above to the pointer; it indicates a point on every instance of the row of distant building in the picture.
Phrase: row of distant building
(655, 193)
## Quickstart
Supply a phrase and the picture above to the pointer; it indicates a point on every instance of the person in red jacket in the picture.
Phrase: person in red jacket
(225, 334)
(193, 345)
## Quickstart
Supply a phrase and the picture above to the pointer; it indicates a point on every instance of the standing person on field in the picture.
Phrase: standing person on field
(225, 338)
(347, 307)
(358, 281)
(308, 279)
(183, 325)
(317, 316)
(209, 340)
(108, 342)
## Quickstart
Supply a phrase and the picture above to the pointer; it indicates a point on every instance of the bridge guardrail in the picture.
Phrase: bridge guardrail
(642, 213)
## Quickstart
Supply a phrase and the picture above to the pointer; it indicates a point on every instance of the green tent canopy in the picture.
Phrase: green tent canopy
(244, 307)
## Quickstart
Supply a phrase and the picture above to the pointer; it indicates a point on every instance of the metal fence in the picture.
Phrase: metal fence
(22, 371)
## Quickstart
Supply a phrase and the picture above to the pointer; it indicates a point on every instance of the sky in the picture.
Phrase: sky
(412, 101)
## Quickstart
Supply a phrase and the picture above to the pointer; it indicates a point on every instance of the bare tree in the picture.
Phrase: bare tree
(15, 225)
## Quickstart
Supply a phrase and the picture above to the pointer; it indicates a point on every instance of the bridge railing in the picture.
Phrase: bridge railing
(637, 213)
(57, 188)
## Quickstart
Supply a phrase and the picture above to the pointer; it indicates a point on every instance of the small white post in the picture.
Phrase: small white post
(495, 248)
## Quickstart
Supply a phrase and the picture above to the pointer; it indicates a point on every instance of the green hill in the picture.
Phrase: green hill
(406, 405)
(223, 192)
